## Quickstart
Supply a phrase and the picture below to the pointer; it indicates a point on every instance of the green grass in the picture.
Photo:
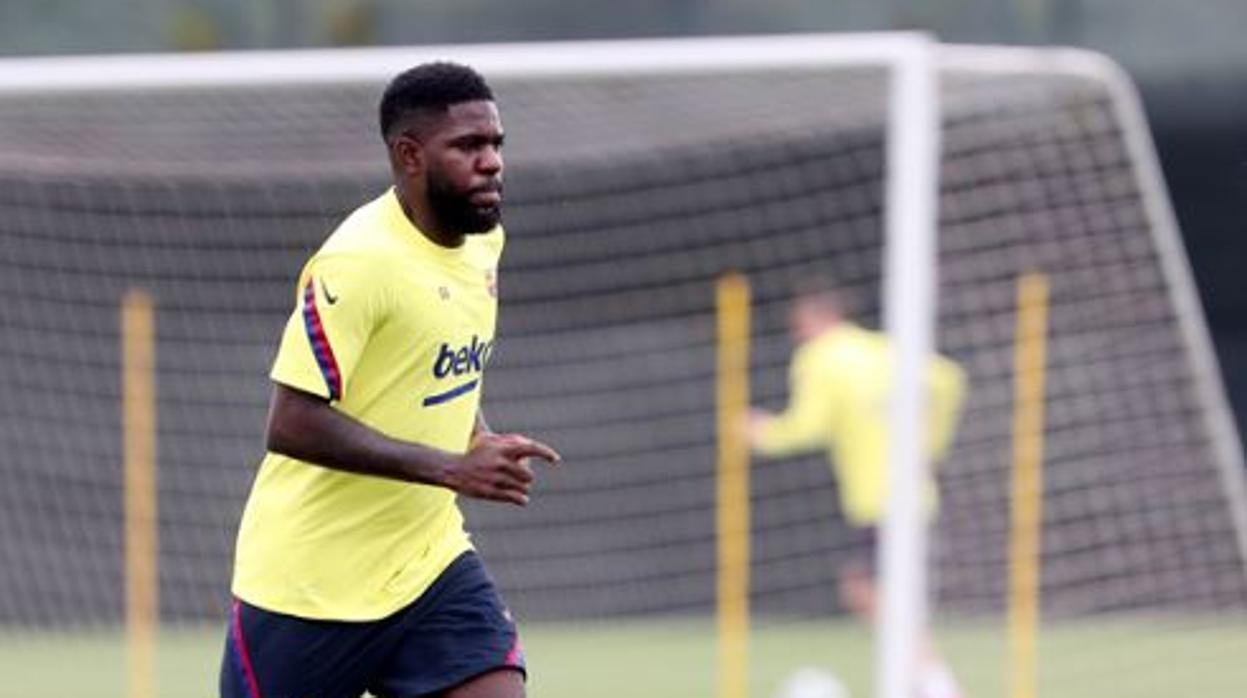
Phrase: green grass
(1121, 658)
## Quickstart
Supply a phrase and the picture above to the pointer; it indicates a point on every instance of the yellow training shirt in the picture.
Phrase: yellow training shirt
(395, 331)
(840, 383)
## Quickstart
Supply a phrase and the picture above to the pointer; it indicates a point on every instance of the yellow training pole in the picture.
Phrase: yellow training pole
(733, 486)
(139, 425)
(1030, 351)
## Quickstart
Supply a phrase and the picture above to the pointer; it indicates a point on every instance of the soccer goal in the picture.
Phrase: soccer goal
(1092, 534)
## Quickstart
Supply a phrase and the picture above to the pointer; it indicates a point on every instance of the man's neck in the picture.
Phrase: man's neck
(824, 329)
(417, 213)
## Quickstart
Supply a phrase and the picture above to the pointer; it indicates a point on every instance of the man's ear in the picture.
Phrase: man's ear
(408, 154)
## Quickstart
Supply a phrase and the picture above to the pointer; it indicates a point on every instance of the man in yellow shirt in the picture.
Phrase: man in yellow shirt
(353, 571)
(840, 382)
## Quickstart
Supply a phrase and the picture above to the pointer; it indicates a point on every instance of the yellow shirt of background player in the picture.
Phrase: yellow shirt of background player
(396, 332)
(840, 383)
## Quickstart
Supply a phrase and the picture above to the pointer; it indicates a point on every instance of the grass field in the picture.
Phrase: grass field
(1128, 659)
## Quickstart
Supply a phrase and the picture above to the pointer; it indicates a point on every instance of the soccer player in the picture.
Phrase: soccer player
(840, 384)
(353, 571)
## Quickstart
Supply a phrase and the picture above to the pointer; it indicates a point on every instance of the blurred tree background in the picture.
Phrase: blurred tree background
(1188, 58)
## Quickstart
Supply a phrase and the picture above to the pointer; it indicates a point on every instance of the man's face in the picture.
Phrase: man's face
(809, 317)
(464, 168)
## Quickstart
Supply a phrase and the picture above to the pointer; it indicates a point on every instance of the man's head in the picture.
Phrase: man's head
(816, 308)
(444, 137)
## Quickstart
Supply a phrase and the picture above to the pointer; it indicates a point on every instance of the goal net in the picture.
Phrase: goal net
(207, 182)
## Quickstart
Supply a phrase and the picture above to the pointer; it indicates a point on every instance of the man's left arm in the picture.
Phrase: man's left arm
(948, 388)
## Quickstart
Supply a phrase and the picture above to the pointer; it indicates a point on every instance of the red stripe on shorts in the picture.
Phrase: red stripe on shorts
(240, 647)
(515, 656)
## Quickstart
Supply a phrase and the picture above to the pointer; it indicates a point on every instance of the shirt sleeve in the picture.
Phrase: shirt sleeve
(806, 422)
(948, 392)
(339, 301)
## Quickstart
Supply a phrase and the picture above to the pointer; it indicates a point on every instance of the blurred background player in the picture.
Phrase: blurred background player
(353, 571)
(839, 389)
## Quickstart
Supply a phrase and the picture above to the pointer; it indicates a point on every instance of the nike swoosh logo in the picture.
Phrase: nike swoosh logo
(328, 296)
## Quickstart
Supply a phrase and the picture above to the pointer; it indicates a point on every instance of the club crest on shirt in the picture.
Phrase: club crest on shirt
(491, 283)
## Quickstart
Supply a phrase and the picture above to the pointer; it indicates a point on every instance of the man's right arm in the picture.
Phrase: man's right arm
(306, 427)
(806, 421)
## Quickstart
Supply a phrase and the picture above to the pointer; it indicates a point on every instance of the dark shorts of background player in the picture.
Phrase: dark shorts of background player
(859, 551)
(457, 630)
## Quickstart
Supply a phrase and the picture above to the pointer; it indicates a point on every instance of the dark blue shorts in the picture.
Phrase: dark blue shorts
(458, 629)
(858, 549)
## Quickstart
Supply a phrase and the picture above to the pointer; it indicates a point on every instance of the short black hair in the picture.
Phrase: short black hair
(429, 87)
(822, 289)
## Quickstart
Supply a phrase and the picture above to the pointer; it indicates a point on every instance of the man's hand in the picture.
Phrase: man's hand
(754, 424)
(496, 467)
